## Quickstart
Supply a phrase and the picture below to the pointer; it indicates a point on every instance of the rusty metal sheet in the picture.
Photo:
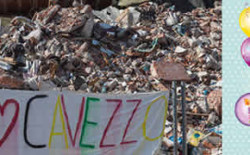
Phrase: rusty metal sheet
(169, 71)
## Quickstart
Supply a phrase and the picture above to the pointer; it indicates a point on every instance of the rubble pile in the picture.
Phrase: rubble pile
(116, 51)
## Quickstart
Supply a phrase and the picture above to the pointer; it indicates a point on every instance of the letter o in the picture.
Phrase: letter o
(146, 117)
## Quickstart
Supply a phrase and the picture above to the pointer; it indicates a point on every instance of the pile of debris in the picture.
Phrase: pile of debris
(205, 142)
(117, 51)
(204, 130)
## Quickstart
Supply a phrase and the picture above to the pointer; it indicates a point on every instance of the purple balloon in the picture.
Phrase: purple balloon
(245, 51)
(242, 111)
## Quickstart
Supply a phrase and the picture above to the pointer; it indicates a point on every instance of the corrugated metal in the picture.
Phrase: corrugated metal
(24, 6)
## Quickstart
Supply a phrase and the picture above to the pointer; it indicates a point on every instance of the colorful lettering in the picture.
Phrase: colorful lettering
(146, 117)
(129, 121)
(13, 121)
(73, 140)
(63, 133)
(247, 102)
(86, 122)
(109, 123)
(26, 121)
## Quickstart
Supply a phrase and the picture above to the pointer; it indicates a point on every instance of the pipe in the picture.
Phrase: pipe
(183, 104)
(174, 102)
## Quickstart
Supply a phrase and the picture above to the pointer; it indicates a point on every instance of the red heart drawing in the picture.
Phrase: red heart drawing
(13, 121)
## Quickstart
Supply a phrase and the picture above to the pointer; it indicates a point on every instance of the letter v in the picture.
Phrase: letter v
(73, 141)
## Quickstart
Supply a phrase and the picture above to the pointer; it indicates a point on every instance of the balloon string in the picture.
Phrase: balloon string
(247, 11)
(246, 5)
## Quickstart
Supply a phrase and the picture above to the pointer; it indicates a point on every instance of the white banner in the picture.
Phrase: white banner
(67, 123)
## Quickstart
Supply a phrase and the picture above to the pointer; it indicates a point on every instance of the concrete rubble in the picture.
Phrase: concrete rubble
(122, 51)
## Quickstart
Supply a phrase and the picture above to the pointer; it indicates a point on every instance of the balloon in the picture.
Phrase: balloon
(245, 21)
(242, 109)
(245, 51)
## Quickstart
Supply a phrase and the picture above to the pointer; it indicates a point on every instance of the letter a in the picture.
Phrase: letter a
(63, 132)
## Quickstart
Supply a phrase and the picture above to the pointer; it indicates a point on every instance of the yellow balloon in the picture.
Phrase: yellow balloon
(245, 21)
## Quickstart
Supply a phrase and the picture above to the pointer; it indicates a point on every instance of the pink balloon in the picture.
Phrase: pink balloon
(245, 51)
